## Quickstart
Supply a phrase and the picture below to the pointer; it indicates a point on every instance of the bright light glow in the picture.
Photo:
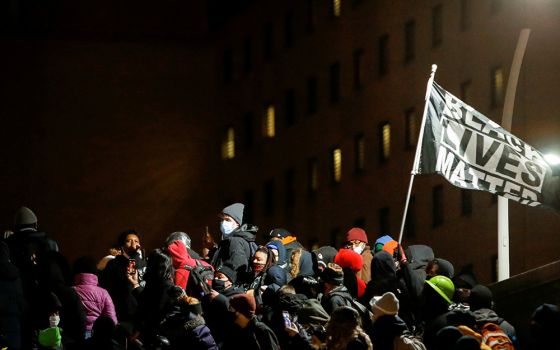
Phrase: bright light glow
(228, 145)
(269, 125)
(337, 165)
(552, 159)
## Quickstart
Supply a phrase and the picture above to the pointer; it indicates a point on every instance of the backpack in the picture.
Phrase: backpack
(495, 337)
(408, 341)
(200, 279)
(365, 315)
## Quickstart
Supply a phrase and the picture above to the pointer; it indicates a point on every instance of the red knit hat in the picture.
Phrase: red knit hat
(244, 304)
(356, 234)
(349, 258)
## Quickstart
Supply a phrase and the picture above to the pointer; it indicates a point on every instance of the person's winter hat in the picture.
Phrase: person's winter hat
(333, 274)
(387, 304)
(356, 234)
(447, 337)
(380, 243)
(229, 272)
(467, 342)
(349, 258)
(547, 315)
(312, 312)
(480, 298)
(235, 211)
(279, 247)
(445, 268)
(279, 233)
(244, 304)
(323, 256)
(24, 217)
(443, 286)
(465, 280)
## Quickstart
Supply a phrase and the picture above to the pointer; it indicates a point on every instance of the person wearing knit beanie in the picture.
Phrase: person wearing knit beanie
(322, 257)
(333, 275)
(235, 211)
(387, 304)
(244, 304)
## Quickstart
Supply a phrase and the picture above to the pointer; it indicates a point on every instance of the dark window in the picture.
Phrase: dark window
(334, 73)
(247, 55)
(466, 202)
(290, 107)
(249, 130)
(437, 25)
(268, 41)
(290, 196)
(360, 153)
(228, 66)
(289, 30)
(411, 128)
(312, 176)
(384, 221)
(465, 14)
(383, 52)
(336, 237)
(358, 69)
(385, 141)
(409, 38)
(466, 92)
(410, 223)
(269, 197)
(310, 16)
(249, 201)
(437, 206)
(497, 87)
(312, 95)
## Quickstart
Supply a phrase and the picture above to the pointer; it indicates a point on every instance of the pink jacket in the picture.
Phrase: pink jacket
(96, 300)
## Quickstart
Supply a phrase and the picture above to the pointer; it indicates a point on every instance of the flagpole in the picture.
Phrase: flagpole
(503, 208)
(418, 149)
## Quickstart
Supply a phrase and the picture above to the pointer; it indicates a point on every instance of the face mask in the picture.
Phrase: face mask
(227, 227)
(257, 268)
(218, 285)
(54, 320)
(359, 249)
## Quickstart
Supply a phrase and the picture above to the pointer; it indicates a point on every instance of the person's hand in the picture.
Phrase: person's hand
(251, 292)
(213, 294)
(291, 329)
(133, 279)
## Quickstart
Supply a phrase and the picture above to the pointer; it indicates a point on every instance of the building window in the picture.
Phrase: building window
(410, 222)
(437, 206)
(336, 8)
(411, 128)
(466, 202)
(268, 44)
(228, 66)
(360, 153)
(336, 165)
(290, 196)
(437, 25)
(385, 140)
(289, 30)
(247, 55)
(466, 92)
(409, 38)
(248, 121)
(384, 221)
(312, 176)
(383, 51)
(358, 69)
(334, 73)
(228, 145)
(269, 122)
(269, 194)
(465, 21)
(310, 16)
(497, 93)
(312, 95)
(290, 107)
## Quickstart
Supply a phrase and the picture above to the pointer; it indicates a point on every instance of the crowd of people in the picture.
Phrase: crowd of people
(245, 292)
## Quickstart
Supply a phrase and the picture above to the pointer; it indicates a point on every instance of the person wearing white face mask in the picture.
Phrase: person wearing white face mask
(238, 242)
(356, 239)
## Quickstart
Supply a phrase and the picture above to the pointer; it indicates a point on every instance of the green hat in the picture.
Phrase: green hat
(443, 286)
(50, 337)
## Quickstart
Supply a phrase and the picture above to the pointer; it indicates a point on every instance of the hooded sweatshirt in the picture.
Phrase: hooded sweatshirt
(181, 258)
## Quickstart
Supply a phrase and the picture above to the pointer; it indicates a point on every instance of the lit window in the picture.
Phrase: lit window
(336, 165)
(228, 146)
(385, 141)
(269, 124)
(335, 8)
(312, 176)
(411, 128)
(360, 153)
(497, 93)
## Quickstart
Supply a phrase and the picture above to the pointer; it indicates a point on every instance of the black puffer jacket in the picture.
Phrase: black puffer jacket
(237, 251)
